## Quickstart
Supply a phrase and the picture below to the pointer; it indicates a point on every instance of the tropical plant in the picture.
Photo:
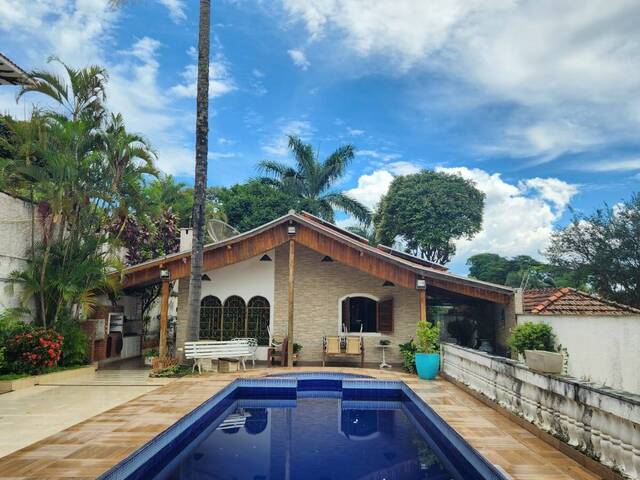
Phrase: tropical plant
(532, 336)
(428, 211)
(311, 180)
(408, 351)
(165, 193)
(427, 337)
(365, 231)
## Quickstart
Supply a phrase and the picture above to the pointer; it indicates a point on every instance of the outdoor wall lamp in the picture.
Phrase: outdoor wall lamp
(164, 274)
(291, 229)
(421, 284)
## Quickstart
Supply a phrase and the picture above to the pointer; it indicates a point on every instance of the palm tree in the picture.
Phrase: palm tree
(311, 181)
(200, 185)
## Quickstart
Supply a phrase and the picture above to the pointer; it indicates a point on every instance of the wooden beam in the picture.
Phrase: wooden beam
(292, 268)
(164, 317)
(423, 304)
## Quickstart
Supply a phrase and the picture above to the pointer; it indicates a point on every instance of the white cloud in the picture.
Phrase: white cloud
(218, 155)
(277, 145)
(299, 58)
(611, 165)
(371, 188)
(518, 219)
(382, 156)
(575, 90)
(176, 9)
(355, 132)
(403, 168)
(220, 81)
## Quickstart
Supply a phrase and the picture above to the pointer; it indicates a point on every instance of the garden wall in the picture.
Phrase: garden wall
(602, 423)
(601, 349)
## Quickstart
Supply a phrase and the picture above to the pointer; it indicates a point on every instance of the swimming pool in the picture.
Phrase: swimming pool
(310, 426)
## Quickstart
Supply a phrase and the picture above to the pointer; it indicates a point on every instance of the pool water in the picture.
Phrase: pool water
(314, 426)
(312, 438)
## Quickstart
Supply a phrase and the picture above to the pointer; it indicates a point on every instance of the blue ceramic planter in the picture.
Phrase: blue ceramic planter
(427, 365)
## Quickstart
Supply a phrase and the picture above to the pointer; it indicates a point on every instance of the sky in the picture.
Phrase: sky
(537, 102)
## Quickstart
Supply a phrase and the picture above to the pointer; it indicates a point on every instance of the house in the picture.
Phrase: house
(332, 279)
(10, 73)
(601, 337)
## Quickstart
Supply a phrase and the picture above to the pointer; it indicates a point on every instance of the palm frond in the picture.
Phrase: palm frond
(349, 205)
(335, 165)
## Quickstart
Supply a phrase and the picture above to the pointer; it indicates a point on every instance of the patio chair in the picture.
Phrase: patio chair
(331, 347)
(253, 346)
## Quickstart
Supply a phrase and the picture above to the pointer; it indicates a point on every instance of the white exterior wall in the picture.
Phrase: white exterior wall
(15, 242)
(245, 279)
(604, 350)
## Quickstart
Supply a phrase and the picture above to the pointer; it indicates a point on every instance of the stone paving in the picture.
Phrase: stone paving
(89, 448)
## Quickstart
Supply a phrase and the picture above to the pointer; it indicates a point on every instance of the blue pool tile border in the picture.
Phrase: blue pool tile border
(283, 390)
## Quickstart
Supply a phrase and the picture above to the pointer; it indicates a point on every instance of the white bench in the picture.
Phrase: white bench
(214, 350)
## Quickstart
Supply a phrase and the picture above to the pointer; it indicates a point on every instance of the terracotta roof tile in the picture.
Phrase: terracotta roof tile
(569, 301)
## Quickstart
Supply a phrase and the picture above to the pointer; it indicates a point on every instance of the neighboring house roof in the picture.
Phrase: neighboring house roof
(10, 73)
(569, 301)
(321, 236)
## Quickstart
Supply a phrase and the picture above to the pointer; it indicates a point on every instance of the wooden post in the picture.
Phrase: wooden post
(164, 318)
(423, 305)
(292, 266)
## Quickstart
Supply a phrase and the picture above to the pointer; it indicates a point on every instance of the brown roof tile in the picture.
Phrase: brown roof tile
(569, 301)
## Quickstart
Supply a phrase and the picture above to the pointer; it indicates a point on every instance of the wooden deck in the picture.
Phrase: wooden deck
(91, 447)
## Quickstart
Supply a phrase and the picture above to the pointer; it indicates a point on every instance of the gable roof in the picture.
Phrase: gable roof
(10, 73)
(569, 301)
(327, 238)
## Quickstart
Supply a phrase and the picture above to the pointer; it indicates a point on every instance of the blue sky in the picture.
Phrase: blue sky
(536, 101)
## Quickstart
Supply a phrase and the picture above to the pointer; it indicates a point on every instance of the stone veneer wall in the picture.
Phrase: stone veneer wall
(318, 287)
(602, 423)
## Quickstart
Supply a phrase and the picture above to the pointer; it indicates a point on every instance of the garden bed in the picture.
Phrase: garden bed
(9, 383)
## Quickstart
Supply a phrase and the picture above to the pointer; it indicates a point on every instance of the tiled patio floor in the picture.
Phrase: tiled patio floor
(89, 448)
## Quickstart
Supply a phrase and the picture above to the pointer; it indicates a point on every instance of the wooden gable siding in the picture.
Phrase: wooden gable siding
(213, 258)
(354, 257)
(377, 267)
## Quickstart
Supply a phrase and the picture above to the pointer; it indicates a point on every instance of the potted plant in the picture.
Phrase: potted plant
(536, 342)
(297, 348)
(149, 355)
(427, 350)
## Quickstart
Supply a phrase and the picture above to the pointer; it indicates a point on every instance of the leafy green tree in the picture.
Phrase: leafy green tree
(428, 211)
(249, 205)
(522, 271)
(311, 181)
(603, 247)
(365, 231)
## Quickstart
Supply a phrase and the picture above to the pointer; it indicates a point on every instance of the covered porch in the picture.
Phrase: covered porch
(305, 279)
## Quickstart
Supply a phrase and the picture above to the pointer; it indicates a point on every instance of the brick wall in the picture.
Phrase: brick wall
(318, 288)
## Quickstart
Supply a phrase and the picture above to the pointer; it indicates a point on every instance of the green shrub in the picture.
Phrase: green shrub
(76, 347)
(408, 351)
(428, 337)
(532, 336)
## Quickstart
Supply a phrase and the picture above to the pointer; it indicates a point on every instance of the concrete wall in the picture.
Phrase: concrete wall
(603, 350)
(15, 242)
(319, 286)
(602, 423)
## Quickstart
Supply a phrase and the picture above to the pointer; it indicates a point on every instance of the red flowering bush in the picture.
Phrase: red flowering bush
(33, 350)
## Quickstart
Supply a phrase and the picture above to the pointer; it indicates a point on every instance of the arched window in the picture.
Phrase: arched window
(210, 317)
(234, 318)
(258, 319)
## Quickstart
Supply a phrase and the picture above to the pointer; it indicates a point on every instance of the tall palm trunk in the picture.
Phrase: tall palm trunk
(202, 147)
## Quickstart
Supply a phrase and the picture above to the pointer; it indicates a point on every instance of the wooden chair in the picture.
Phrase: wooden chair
(331, 347)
